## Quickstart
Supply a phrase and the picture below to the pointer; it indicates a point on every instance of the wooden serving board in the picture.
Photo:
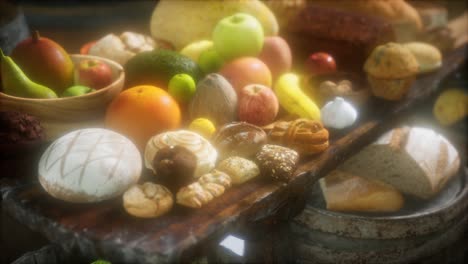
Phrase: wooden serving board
(105, 230)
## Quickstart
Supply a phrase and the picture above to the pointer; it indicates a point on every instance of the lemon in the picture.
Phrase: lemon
(451, 106)
(203, 126)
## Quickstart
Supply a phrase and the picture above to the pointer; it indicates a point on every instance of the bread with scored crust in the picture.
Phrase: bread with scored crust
(415, 160)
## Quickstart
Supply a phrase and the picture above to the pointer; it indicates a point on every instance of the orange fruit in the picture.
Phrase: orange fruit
(141, 112)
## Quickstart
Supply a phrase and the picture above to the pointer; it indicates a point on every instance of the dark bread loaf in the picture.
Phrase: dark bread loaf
(347, 36)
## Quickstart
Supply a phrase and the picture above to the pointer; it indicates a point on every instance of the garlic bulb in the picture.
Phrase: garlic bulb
(338, 114)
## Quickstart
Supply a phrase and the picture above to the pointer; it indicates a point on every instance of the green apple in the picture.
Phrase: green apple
(77, 90)
(194, 49)
(238, 35)
(210, 61)
(182, 87)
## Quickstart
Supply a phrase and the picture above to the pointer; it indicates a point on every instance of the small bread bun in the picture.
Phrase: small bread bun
(429, 57)
(239, 169)
(147, 200)
(196, 195)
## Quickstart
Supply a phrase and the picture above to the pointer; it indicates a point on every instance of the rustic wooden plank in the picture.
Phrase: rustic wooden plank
(105, 230)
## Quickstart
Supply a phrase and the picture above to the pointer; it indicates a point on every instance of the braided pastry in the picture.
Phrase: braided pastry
(208, 186)
(303, 135)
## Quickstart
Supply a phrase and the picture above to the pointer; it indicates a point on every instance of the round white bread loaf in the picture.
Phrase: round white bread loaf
(202, 148)
(89, 165)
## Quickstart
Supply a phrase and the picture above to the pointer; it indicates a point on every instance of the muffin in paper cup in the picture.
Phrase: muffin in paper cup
(391, 70)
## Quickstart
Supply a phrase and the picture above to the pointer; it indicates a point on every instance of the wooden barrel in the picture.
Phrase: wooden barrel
(418, 231)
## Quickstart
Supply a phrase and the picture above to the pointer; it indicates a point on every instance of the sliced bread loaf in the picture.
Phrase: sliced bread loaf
(347, 192)
(416, 161)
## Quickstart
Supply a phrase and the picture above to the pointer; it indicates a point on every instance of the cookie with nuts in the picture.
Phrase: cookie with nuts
(147, 200)
(277, 162)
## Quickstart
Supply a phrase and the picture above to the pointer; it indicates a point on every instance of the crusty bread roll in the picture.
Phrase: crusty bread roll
(239, 169)
(416, 161)
(347, 192)
(89, 165)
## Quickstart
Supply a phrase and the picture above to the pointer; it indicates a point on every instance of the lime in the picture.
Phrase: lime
(182, 87)
(203, 126)
(210, 61)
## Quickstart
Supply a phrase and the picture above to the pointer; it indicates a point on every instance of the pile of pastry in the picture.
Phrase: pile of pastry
(94, 164)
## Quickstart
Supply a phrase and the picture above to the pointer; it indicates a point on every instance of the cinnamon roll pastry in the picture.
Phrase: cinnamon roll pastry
(206, 154)
(303, 135)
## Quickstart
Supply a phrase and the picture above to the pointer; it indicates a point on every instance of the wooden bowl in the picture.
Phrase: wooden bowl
(61, 115)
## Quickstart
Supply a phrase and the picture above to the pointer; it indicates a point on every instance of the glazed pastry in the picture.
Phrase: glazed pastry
(89, 165)
(202, 148)
(303, 135)
(338, 114)
(239, 139)
(429, 57)
(391, 69)
(217, 177)
(196, 195)
(277, 162)
(239, 169)
(147, 200)
(175, 166)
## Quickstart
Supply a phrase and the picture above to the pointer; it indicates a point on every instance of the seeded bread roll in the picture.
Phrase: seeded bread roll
(416, 161)
(277, 162)
(350, 193)
(239, 169)
(147, 200)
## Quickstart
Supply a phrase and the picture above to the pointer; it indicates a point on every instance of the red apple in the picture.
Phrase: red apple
(276, 54)
(244, 71)
(258, 104)
(320, 63)
(93, 73)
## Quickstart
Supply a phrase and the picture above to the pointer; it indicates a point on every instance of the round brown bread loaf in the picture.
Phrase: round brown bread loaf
(277, 162)
(239, 139)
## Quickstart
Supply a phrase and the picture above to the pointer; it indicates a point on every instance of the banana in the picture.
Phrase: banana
(293, 99)
(451, 106)
(182, 22)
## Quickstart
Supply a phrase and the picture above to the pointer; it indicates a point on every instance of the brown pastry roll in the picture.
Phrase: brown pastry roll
(147, 200)
(239, 139)
(303, 135)
(239, 169)
(277, 162)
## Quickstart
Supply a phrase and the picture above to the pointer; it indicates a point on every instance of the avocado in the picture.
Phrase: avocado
(157, 67)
